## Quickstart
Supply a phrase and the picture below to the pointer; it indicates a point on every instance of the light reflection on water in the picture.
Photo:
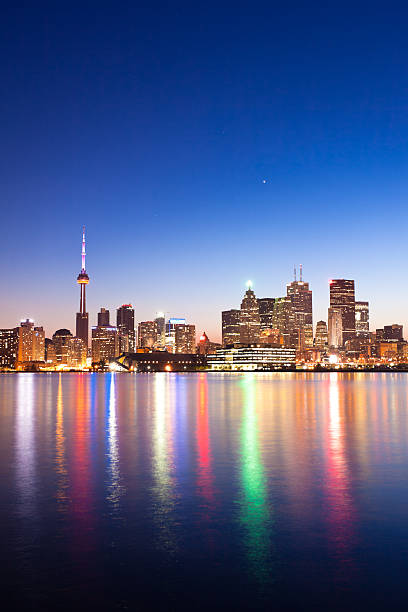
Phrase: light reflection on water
(287, 484)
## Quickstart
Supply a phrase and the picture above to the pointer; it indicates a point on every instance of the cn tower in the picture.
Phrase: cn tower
(82, 324)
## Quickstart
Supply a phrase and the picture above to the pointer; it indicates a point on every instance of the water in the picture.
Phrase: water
(183, 491)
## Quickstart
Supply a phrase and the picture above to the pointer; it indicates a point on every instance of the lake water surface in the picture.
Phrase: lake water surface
(185, 491)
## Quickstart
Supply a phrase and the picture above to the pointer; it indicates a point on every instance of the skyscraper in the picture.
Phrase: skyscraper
(147, 334)
(82, 322)
(284, 321)
(342, 298)
(161, 330)
(301, 297)
(321, 338)
(230, 327)
(125, 322)
(185, 338)
(335, 331)
(25, 340)
(362, 320)
(103, 317)
(249, 322)
(105, 343)
(8, 347)
(266, 312)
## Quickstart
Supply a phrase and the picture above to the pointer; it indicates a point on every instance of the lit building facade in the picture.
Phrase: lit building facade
(161, 330)
(8, 347)
(252, 358)
(249, 322)
(230, 327)
(147, 334)
(170, 333)
(284, 320)
(362, 320)
(77, 353)
(342, 298)
(335, 331)
(25, 340)
(205, 346)
(301, 298)
(322, 337)
(38, 344)
(266, 312)
(185, 338)
(105, 343)
(61, 343)
(125, 322)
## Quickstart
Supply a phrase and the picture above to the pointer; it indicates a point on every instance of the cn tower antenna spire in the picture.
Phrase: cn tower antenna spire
(83, 248)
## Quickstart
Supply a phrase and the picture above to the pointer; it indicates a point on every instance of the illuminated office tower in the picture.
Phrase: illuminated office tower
(342, 298)
(170, 336)
(105, 343)
(230, 327)
(301, 297)
(38, 344)
(77, 353)
(335, 326)
(61, 342)
(362, 320)
(147, 334)
(321, 338)
(185, 338)
(266, 312)
(8, 347)
(249, 321)
(161, 330)
(25, 340)
(284, 321)
(82, 323)
(125, 322)
(103, 317)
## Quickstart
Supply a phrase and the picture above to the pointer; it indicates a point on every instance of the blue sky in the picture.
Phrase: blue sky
(155, 126)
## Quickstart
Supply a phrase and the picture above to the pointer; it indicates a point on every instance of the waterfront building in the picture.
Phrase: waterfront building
(249, 322)
(342, 298)
(266, 312)
(321, 338)
(230, 327)
(105, 343)
(335, 331)
(185, 338)
(82, 317)
(9, 347)
(61, 342)
(272, 337)
(362, 320)
(147, 334)
(125, 322)
(301, 298)
(252, 358)
(103, 317)
(159, 361)
(284, 321)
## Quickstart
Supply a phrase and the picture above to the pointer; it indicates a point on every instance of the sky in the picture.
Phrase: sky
(202, 145)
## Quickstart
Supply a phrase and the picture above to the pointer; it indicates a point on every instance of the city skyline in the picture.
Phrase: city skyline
(214, 328)
(199, 163)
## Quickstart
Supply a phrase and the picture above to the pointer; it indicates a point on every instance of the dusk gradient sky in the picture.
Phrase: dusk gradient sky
(155, 124)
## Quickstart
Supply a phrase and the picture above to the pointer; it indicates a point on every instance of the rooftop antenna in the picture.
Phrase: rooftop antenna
(294, 272)
(83, 248)
(301, 272)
